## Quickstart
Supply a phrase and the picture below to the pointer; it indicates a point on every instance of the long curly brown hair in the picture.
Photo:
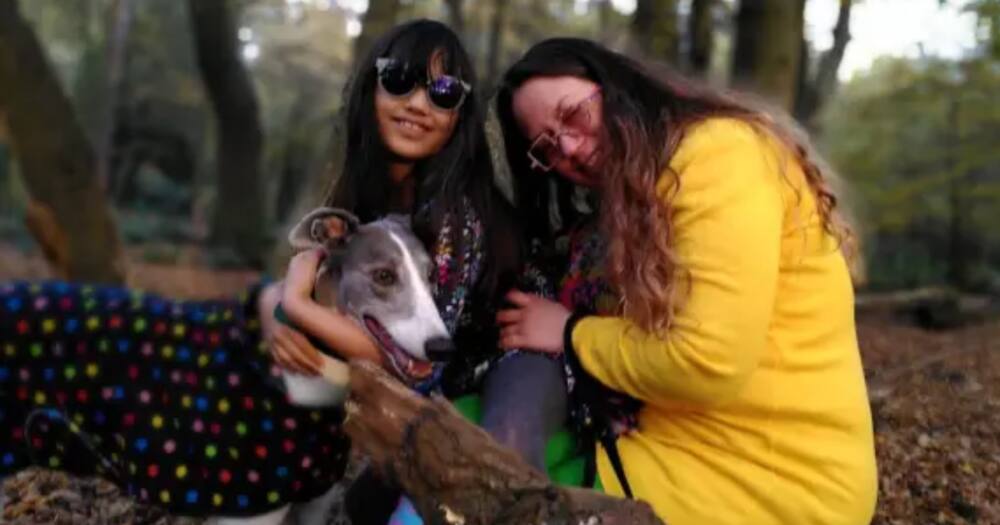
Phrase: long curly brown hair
(646, 114)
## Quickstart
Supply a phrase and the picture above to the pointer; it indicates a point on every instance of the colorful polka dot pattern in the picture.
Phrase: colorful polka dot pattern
(179, 398)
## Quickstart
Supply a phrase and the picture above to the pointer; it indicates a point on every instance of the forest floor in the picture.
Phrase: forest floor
(935, 404)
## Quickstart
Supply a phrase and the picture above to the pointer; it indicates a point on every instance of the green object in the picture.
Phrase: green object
(280, 315)
(563, 462)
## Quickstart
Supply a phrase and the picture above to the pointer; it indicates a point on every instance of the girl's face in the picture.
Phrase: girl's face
(561, 119)
(411, 126)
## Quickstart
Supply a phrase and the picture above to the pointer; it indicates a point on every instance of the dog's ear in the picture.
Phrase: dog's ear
(323, 227)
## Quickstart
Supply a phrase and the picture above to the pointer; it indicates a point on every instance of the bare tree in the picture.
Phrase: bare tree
(239, 211)
(700, 34)
(68, 213)
(116, 49)
(768, 39)
(604, 13)
(5, 198)
(379, 18)
(818, 89)
(456, 19)
(655, 31)
(496, 43)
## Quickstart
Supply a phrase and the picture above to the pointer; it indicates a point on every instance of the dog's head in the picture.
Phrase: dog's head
(379, 275)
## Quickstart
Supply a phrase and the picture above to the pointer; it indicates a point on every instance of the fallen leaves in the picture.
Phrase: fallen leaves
(938, 431)
(45, 496)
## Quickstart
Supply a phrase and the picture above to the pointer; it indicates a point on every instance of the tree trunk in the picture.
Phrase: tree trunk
(68, 213)
(958, 256)
(296, 157)
(768, 40)
(90, 77)
(455, 17)
(322, 173)
(815, 93)
(379, 18)
(5, 197)
(122, 23)
(454, 472)
(701, 35)
(605, 11)
(655, 31)
(496, 44)
(238, 221)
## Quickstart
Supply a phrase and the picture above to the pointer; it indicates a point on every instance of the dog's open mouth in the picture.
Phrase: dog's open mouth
(404, 365)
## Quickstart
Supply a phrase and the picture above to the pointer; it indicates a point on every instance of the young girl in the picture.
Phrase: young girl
(706, 313)
(416, 145)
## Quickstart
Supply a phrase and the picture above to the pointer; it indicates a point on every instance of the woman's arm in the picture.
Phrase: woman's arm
(728, 222)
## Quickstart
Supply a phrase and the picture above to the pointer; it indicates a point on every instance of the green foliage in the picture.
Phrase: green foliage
(988, 17)
(917, 140)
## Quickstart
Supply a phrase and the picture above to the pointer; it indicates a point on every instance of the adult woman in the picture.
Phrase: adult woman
(708, 296)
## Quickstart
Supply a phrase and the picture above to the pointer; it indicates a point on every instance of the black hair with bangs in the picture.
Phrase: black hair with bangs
(460, 175)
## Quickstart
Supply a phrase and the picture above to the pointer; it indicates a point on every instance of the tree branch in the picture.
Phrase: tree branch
(814, 94)
(454, 472)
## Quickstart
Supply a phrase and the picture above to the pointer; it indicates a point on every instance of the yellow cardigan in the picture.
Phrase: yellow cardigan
(755, 402)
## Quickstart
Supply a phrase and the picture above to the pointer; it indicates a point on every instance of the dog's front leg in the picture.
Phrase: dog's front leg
(275, 517)
(316, 511)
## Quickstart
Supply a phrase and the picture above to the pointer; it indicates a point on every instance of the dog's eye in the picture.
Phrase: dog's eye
(384, 277)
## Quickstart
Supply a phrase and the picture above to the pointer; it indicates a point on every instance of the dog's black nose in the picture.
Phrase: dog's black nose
(439, 349)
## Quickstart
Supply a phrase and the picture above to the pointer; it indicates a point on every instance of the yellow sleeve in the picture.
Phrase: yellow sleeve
(727, 217)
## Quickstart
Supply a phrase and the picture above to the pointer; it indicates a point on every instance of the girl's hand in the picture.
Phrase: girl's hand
(534, 324)
(330, 328)
(284, 343)
(292, 351)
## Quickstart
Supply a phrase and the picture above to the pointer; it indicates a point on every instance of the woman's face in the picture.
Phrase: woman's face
(561, 119)
(410, 126)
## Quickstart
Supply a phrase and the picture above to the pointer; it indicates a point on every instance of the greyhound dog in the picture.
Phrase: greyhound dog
(377, 274)
(382, 283)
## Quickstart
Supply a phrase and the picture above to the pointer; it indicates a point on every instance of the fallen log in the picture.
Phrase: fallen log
(454, 472)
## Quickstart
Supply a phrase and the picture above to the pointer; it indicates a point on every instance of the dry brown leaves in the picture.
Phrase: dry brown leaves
(38, 496)
(938, 422)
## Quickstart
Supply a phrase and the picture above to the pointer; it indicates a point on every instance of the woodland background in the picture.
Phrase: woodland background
(168, 144)
(211, 124)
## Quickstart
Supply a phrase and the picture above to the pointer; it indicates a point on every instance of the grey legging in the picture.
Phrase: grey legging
(524, 403)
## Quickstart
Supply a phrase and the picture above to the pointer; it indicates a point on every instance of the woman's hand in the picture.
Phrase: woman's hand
(534, 324)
